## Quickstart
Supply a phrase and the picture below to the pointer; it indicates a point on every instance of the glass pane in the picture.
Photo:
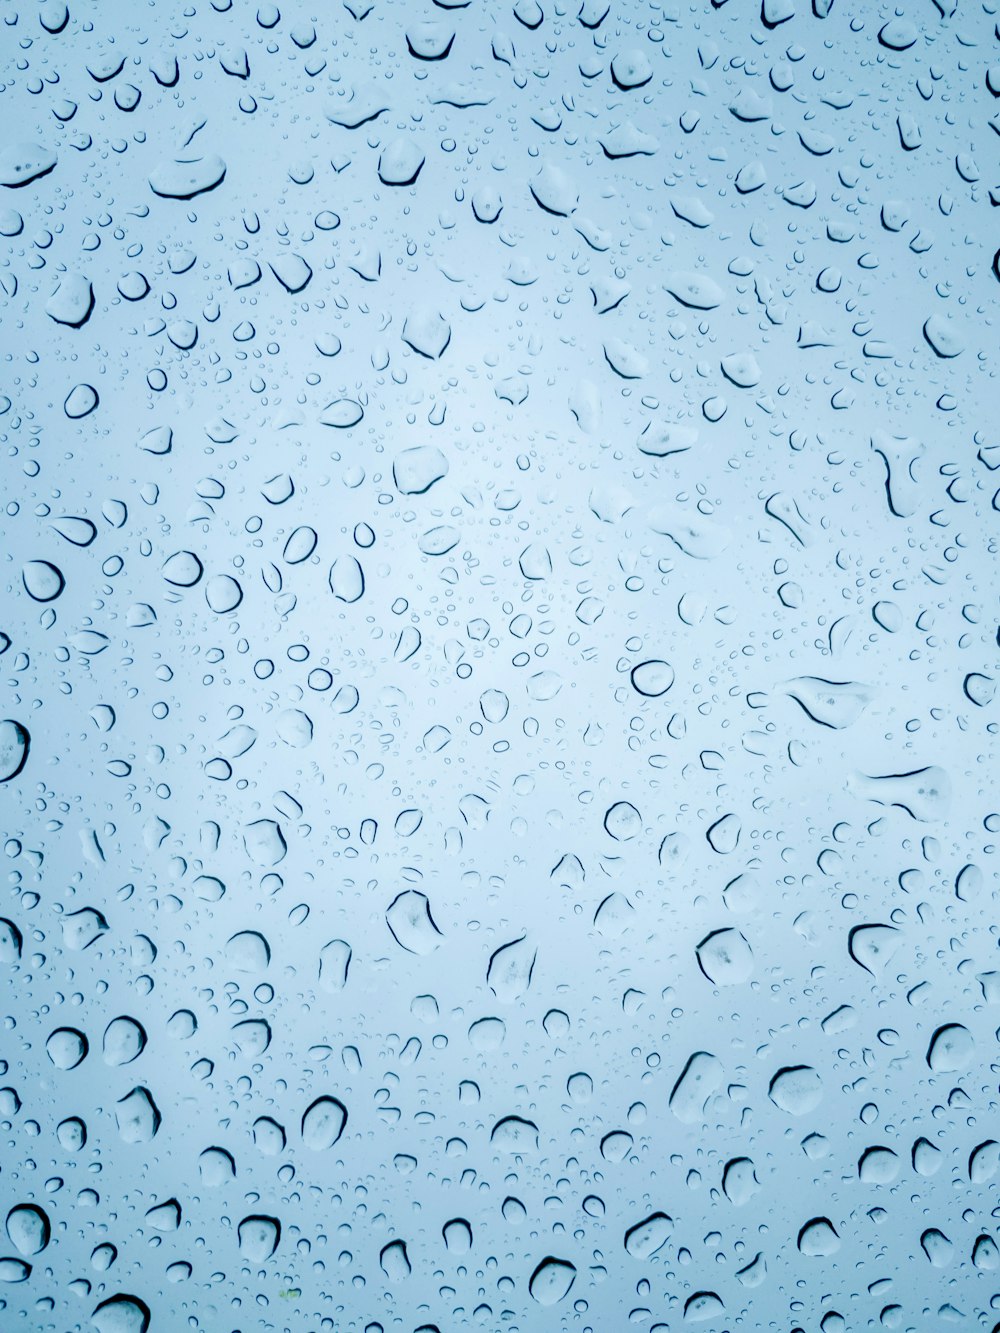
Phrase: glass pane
(499, 650)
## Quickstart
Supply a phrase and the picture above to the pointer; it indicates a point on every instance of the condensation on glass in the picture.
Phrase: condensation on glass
(499, 658)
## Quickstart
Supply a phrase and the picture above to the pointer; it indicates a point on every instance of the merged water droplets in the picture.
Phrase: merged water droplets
(515, 1135)
(417, 469)
(796, 1089)
(258, 1237)
(551, 1281)
(394, 1262)
(138, 1117)
(216, 1167)
(28, 1229)
(323, 1123)
(818, 1238)
(14, 746)
(511, 968)
(649, 1236)
(121, 1314)
(124, 1041)
(834, 704)
(703, 1306)
(951, 1048)
(67, 1048)
(725, 957)
(411, 924)
(879, 1166)
(698, 1080)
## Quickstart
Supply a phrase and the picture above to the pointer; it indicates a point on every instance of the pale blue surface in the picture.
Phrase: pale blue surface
(426, 642)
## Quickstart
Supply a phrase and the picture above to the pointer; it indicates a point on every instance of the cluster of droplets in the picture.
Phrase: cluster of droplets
(500, 645)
